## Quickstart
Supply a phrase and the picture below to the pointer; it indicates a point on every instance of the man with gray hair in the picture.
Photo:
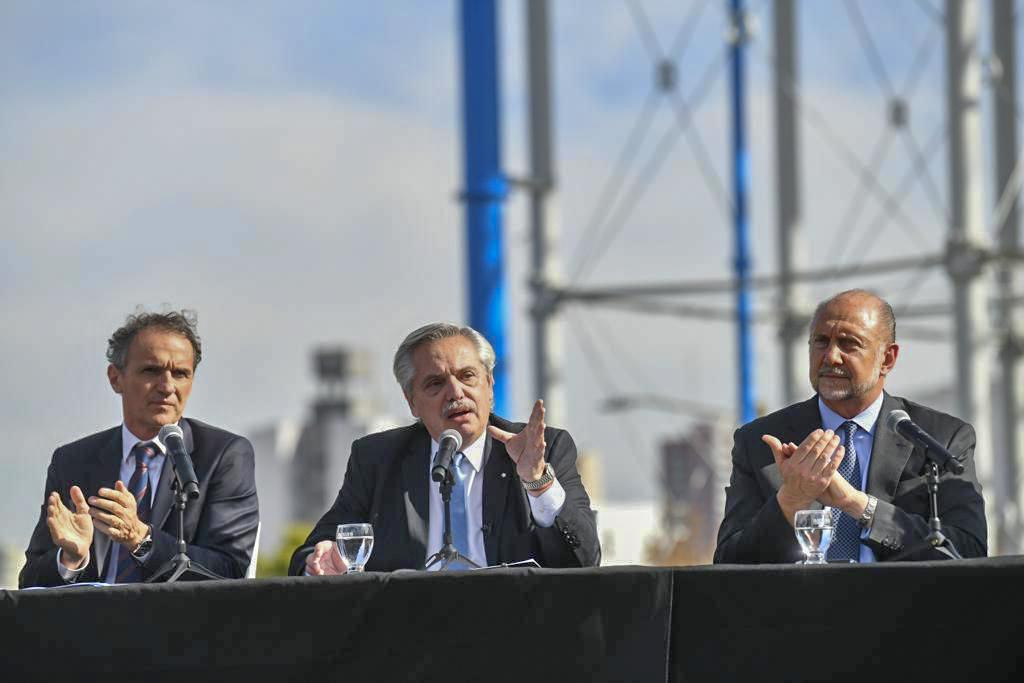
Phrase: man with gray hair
(517, 495)
(106, 515)
(873, 478)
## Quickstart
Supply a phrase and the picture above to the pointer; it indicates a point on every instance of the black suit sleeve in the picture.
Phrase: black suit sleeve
(904, 521)
(226, 529)
(754, 529)
(572, 541)
(352, 505)
(41, 556)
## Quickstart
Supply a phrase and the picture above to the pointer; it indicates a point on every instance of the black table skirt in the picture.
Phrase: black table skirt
(936, 621)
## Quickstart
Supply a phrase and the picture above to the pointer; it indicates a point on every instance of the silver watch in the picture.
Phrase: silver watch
(869, 512)
(545, 479)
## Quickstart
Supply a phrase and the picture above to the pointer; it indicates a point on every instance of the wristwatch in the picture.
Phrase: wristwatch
(144, 546)
(545, 479)
(869, 512)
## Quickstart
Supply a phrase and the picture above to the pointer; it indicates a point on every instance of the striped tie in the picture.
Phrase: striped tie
(846, 544)
(128, 570)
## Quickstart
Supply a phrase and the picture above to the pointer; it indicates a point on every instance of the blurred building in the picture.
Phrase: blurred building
(694, 469)
(300, 464)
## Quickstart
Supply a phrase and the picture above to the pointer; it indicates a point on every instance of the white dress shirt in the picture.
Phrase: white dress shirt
(544, 507)
(156, 465)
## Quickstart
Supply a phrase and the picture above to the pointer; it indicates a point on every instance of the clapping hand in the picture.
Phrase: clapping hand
(70, 531)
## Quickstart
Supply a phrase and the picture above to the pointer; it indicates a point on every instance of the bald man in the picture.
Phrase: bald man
(834, 450)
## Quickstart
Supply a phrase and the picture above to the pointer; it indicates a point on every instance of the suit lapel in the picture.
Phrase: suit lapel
(415, 483)
(163, 498)
(498, 474)
(889, 454)
(106, 470)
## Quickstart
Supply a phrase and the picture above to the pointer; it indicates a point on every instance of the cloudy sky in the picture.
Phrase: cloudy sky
(292, 170)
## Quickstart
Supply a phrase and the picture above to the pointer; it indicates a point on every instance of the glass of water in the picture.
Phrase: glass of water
(814, 529)
(355, 543)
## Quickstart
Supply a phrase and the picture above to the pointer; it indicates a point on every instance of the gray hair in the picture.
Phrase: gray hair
(181, 322)
(887, 317)
(403, 366)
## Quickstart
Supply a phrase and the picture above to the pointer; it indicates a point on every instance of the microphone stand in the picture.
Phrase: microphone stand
(935, 538)
(177, 566)
(448, 552)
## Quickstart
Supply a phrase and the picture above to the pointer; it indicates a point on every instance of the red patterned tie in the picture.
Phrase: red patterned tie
(127, 568)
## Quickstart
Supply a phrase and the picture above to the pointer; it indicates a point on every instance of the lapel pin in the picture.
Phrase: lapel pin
(504, 474)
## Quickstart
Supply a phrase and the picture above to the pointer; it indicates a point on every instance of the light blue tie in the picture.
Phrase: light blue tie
(460, 492)
(846, 544)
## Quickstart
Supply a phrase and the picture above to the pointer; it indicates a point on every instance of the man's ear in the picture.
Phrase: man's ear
(892, 351)
(114, 377)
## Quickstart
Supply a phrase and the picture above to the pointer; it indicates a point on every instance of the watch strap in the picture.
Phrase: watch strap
(545, 479)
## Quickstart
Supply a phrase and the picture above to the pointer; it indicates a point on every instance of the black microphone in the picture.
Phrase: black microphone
(173, 438)
(449, 445)
(899, 422)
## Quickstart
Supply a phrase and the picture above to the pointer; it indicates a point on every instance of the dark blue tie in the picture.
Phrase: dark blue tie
(128, 570)
(846, 544)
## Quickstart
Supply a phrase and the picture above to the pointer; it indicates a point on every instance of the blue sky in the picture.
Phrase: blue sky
(291, 171)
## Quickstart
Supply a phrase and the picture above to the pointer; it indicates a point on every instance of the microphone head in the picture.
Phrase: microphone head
(894, 418)
(451, 434)
(168, 431)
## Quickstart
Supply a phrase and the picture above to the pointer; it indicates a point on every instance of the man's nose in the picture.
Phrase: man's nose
(833, 356)
(455, 391)
(166, 383)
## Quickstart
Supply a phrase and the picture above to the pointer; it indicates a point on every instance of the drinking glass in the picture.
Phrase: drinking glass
(814, 529)
(355, 543)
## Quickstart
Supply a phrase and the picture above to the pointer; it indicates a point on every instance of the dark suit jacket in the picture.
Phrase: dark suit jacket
(386, 484)
(754, 529)
(220, 525)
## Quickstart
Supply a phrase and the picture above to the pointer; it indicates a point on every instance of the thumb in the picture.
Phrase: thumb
(121, 487)
(776, 447)
(499, 434)
(78, 498)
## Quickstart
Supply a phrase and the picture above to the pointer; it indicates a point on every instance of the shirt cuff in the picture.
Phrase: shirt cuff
(70, 575)
(547, 505)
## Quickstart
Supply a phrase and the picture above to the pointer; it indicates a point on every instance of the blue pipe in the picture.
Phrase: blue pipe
(741, 189)
(485, 183)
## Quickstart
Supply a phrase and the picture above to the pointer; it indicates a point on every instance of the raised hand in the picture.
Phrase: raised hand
(70, 531)
(527, 447)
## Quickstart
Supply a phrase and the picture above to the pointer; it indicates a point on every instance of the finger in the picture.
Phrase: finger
(78, 498)
(104, 528)
(824, 441)
(536, 421)
(833, 465)
(112, 521)
(105, 504)
(499, 434)
(776, 447)
(313, 565)
(804, 449)
(119, 494)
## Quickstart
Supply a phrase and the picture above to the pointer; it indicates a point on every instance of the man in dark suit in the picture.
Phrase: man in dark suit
(107, 513)
(523, 497)
(881, 492)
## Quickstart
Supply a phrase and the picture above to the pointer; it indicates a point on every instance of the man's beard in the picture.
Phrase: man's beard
(847, 391)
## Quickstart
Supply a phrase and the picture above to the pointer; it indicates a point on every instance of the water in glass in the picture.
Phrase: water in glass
(814, 529)
(355, 543)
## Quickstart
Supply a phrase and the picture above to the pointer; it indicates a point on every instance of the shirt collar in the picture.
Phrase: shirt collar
(866, 419)
(128, 441)
(473, 452)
